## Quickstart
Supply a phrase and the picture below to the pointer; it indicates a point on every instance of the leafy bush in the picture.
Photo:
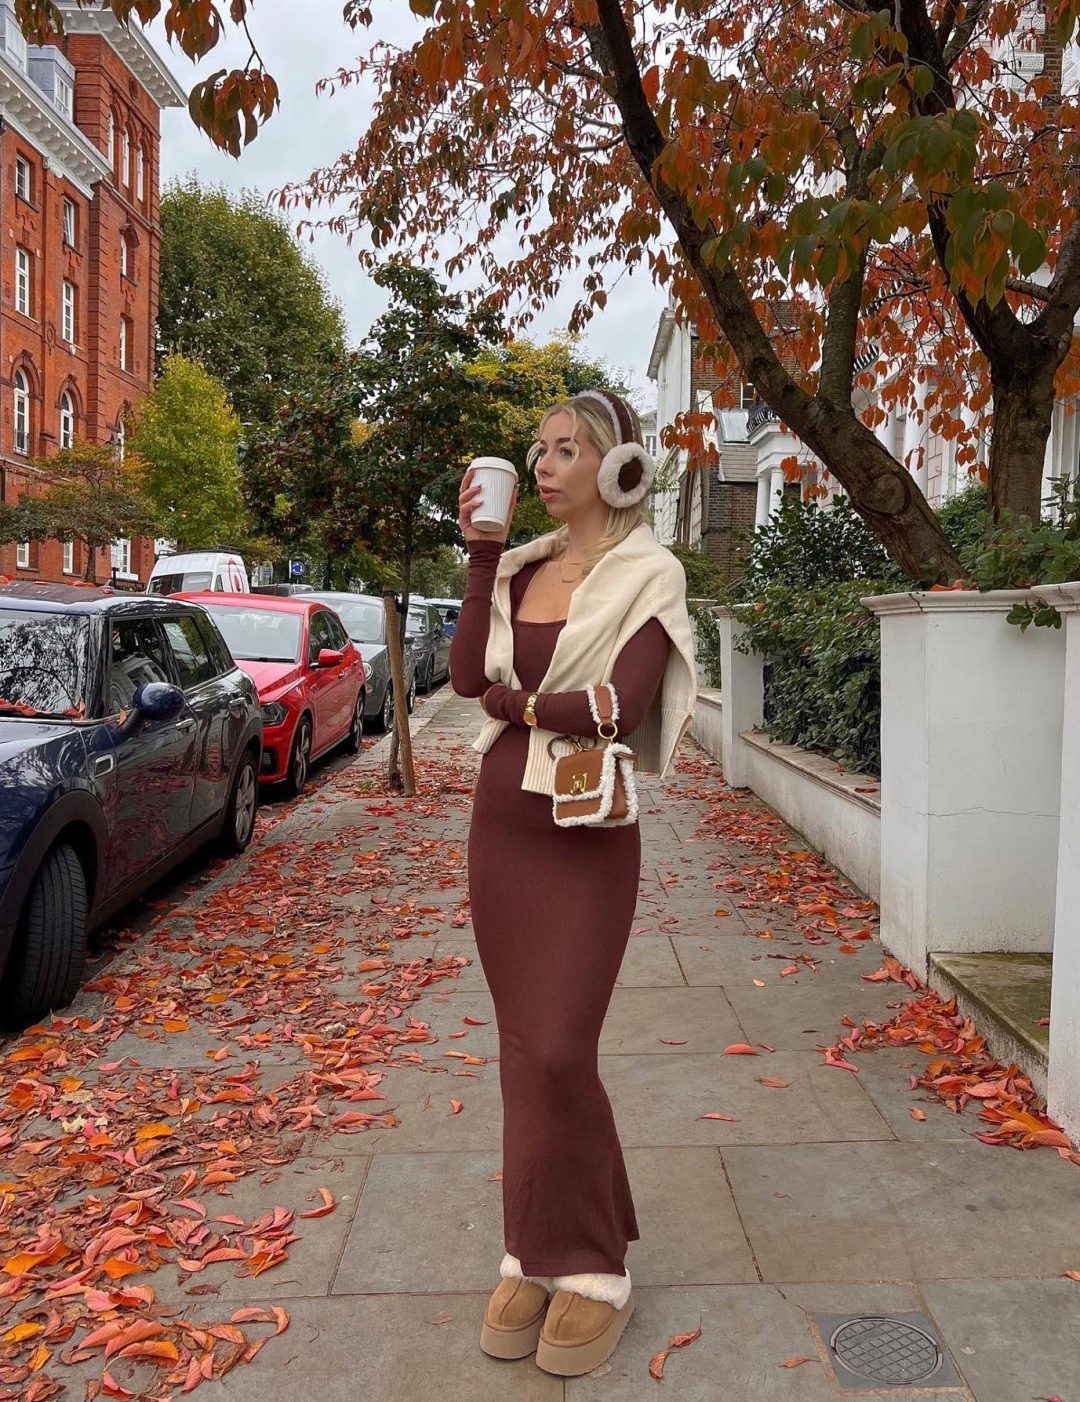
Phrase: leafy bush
(704, 580)
(963, 517)
(707, 635)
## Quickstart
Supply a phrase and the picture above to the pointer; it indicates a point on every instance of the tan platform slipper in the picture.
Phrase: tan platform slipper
(579, 1334)
(513, 1318)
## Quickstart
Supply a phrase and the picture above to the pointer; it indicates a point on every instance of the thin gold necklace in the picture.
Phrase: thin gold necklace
(563, 577)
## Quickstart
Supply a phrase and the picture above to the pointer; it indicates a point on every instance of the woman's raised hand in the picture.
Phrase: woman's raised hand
(470, 498)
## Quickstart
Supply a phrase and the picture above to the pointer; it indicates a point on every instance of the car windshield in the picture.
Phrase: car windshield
(417, 624)
(43, 662)
(363, 621)
(193, 582)
(259, 635)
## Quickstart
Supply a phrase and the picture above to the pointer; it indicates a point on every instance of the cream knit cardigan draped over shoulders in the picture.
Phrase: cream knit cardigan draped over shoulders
(637, 580)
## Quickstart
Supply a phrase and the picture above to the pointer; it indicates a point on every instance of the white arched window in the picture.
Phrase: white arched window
(125, 259)
(126, 170)
(112, 141)
(121, 440)
(140, 173)
(67, 420)
(21, 396)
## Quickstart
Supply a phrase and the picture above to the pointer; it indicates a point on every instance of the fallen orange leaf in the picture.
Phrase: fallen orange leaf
(457, 1106)
(739, 1049)
(795, 1362)
(328, 1205)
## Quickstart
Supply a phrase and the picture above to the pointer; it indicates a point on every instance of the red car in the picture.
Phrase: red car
(310, 677)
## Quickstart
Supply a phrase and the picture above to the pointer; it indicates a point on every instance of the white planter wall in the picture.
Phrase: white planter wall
(971, 733)
(1063, 1074)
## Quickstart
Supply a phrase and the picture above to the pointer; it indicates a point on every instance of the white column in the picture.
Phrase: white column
(916, 437)
(743, 690)
(971, 723)
(1063, 1076)
(761, 515)
(776, 489)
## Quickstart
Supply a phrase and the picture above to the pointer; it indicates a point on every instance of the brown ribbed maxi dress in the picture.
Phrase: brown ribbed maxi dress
(552, 909)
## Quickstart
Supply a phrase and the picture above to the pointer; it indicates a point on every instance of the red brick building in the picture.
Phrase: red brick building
(80, 227)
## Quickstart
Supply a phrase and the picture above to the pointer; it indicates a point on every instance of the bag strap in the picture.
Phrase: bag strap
(606, 726)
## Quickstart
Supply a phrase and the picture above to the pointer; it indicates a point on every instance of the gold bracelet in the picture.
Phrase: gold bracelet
(530, 710)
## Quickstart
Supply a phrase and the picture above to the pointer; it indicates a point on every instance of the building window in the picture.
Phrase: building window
(112, 141)
(67, 420)
(650, 444)
(125, 164)
(65, 96)
(125, 343)
(140, 173)
(22, 555)
(69, 557)
(22, 281)
(69, 324)
(121, 555)
(21, 401)
(125, 255)
(70, 222)
(23, 183)
(15, 42)
(747, 395)
(121, 440)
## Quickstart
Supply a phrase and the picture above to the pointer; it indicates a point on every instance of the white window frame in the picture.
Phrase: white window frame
(24, 179)
(71, 221)
(24, 290)
(140, 172)
(747, 393)
(124, 349)
(67, 420)
(120, 557)
(125, 256)
(121, 440)
(20, 392)
(69, 319)
(65, 96)
(22, 555)
(68, 561)
(125, 160)
(112, 141)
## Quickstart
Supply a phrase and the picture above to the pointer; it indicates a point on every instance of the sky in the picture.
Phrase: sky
(309, 131)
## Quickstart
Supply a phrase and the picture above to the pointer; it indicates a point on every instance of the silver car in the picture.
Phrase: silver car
(364, 618)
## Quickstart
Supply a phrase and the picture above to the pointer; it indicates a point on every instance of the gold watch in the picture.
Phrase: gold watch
(530, 710)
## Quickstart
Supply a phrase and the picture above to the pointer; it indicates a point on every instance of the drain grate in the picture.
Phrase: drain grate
(890, 1350)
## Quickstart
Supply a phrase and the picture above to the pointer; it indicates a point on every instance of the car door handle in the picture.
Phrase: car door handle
(188, 723)
(104, 764)
(238, 706)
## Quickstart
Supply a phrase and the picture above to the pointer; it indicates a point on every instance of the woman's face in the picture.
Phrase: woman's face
(567, 483)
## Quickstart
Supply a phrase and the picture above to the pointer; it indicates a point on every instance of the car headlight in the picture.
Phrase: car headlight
(274, 712)
(367, 671)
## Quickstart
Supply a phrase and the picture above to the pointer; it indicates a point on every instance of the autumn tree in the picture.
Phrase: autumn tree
(94, 498)
(187, 434)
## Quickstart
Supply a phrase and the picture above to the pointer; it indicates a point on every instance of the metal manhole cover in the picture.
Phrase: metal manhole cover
(886, 1350)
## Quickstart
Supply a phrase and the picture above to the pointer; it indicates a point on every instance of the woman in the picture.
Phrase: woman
(598, 601)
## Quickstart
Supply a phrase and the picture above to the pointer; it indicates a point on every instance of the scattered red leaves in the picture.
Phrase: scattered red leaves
(656, 1363)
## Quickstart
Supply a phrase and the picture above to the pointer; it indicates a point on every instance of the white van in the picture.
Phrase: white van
(222, 571)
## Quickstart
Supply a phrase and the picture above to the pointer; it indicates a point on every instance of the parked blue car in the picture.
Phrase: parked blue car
(128, 738)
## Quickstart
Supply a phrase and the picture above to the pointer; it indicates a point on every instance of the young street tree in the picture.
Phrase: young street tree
(95, 498)
(187, 434)
(238, 296)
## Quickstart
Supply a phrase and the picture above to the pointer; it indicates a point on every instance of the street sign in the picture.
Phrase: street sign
(296, 568)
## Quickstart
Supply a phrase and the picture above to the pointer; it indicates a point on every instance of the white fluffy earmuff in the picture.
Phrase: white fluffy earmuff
(625, 475)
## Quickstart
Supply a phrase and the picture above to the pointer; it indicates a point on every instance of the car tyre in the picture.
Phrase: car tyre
(355, 738)
(424, 682)
(410, 699)
(45, 965)
(295, 780)
(386, 713)
(238, 827)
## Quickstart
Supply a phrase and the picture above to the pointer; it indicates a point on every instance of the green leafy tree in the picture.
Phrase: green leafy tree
(187, 433)
(238, 295)
(443, 575)
(95, 498)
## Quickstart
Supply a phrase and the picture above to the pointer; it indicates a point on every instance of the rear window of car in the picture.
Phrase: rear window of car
(418, 623)
(43, 664)
(193, 582)
(363, 622)
(259, 635)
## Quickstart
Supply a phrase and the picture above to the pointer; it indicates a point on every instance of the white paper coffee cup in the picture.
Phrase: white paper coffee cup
(497, 479)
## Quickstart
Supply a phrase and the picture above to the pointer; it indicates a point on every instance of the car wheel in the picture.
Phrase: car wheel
(299, 760)
(355, 737)
(386, 715)
(410, 699)
(424, 683)
(239, 826)
(45, 965)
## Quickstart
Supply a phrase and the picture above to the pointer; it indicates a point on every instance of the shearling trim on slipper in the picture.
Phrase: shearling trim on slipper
(614, 1289)
(608, 482)
(511, 1270)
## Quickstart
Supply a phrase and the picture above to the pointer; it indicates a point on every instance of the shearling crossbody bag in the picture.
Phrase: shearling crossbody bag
(595, 786)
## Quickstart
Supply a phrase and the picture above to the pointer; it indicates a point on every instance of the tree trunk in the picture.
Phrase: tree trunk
(90, 573)
(1023, 416)
(396, 779)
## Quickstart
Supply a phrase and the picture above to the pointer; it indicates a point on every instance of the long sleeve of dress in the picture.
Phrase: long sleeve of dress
(469, 644)
(638, 671)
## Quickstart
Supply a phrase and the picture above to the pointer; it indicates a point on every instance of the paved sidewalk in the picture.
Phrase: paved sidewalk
(820, 1195)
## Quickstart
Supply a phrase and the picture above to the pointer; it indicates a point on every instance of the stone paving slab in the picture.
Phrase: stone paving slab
(903, 1211)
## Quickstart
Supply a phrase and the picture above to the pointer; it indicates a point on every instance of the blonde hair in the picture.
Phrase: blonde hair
(620, 520)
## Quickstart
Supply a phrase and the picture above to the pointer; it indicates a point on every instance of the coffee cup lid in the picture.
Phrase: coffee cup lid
(500, 464)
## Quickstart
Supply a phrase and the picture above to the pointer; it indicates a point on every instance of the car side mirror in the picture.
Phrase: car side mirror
(153, 701)
(330, 657)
